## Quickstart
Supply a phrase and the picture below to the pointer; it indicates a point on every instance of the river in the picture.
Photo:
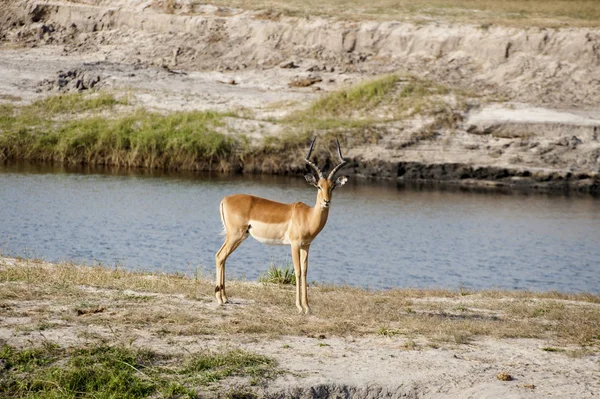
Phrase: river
(378, 235)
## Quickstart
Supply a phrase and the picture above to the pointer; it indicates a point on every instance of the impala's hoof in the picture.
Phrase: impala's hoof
(307, 311)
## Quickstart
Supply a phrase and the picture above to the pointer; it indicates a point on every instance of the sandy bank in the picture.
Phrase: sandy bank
(534, 121)
(327, 354)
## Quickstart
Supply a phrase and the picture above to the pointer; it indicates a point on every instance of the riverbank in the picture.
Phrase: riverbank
(172, 338)
(114, 132)
(202, 87)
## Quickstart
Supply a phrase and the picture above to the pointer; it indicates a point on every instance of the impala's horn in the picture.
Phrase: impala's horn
(341, 165)
(310, 163)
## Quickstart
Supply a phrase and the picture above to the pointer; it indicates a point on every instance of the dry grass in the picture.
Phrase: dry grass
(543, 13)
(171, 305)
(504, 376)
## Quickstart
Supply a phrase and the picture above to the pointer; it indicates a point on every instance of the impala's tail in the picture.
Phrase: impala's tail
(224, 231)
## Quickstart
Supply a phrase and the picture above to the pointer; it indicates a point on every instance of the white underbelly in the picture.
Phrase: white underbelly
(270, 234)
(270, 241)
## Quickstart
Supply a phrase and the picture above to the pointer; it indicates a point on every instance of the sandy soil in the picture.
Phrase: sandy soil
(313, 366)
(357, 367)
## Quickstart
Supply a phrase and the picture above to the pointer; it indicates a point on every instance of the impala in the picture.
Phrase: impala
(275, 223)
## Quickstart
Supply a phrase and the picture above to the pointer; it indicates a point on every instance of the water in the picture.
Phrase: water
(377, 236)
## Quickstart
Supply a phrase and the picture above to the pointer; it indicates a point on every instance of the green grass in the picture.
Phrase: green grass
(211, 367)
(361, 112)
(385, 99)
(279, 275)
(41, 113)
(74, 102)
(348, 107)
(47, 131)
(118, 372)
(364, 96)
(52, 372)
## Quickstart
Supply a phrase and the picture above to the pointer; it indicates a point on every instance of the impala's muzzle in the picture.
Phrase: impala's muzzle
(325, 204)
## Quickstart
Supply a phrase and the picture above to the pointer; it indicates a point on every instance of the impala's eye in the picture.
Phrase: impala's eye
(319, 187)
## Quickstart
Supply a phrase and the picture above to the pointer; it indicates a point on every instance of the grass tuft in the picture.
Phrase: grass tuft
(215, 366)
(389, 332)
(279, 275)
(365, 95)
(504, 376)
(74, 103)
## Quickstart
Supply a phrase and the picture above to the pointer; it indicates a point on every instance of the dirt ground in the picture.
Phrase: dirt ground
(178, 317)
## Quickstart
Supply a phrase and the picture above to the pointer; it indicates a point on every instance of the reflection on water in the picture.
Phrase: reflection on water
(377, 236)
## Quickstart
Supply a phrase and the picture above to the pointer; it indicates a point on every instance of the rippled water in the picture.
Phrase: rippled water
(377, 235)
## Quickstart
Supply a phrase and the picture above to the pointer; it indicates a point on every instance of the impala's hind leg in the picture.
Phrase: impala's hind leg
(230, 245)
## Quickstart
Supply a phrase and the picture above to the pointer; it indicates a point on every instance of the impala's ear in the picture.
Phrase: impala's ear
(311, 180)
(340, 181)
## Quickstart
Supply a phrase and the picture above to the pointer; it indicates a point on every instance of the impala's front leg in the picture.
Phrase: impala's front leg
(297, 271)
(303, 272)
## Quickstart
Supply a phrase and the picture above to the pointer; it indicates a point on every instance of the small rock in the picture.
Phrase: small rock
(288, 65)
(574, 141)
(228, 82)
(305, 81)
(175, 54)
(76, 84)
(316, 68)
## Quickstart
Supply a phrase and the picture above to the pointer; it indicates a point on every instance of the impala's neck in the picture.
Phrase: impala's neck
(319, 214)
